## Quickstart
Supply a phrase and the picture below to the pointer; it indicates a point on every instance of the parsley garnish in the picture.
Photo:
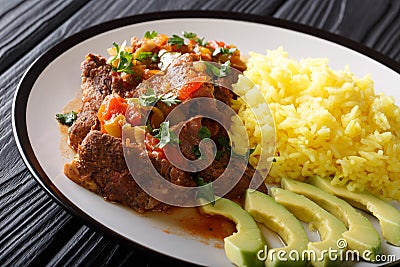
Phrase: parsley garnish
(142, 56)
(204, 132)
(176, 40)
(196, 151)
(149, 127)
(201, 41)
(179, 41)
(206, 192)
(224, 51)
(165, 135)
(224, 142)
(219, 154)
(67, 118)
(274, 160)
(150, 35)
(189, 35)
(150, 98)
(170, 99)
(222, 71)
(193, 36)
(124, 59)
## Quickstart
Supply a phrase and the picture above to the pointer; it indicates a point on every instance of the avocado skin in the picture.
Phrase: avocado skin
(361, 235)
(241, 247)
(275, 216)
(329, 227)
(388, 216)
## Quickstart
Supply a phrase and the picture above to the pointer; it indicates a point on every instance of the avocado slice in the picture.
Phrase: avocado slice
(388, 216)
(273, 215)
(241, 248)
(329, 227)
(361, 235)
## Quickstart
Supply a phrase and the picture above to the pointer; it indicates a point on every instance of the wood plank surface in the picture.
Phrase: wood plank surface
(34, 229)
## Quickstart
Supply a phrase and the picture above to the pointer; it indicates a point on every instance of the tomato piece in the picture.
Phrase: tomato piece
(215, 44)
(112, 106)
(133, 116)
(160, 40)
(151, 146)
(190, 87)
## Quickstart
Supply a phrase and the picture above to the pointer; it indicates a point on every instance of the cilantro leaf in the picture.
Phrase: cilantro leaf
(219, 154)
(189, 35)
(201, 41)
(222, 71)
(204, 132)
(206, 192)
(154, 58)
(225, 69)
(150, 35)
(67, 118)
(142, 56)
(196, 151)
(124, 59)
(150, 98)
(224, 142)
(176, 40)
(170, 99)
(165, 135)
(224, 51)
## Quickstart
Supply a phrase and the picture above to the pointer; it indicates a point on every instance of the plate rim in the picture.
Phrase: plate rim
(30, 76)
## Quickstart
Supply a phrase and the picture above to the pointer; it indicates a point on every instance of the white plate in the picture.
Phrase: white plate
(54, 79)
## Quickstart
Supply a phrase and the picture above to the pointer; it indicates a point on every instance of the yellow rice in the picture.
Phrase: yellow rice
(328, 123)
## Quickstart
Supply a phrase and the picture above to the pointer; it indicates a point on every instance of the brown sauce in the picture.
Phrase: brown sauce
(208, 229)
(65, 150)
(195, 224)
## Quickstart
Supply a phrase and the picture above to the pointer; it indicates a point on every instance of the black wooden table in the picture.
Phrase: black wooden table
(34, 229)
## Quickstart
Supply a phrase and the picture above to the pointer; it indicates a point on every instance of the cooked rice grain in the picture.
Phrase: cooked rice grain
(328, 123)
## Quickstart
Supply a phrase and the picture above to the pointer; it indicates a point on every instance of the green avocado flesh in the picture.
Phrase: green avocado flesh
(276, 217)
(242, 247)
(361, 235)
(388, 216)
(329, 227)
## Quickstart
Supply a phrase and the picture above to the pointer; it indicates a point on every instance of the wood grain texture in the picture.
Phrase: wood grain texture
(35, 230)
(374, 23)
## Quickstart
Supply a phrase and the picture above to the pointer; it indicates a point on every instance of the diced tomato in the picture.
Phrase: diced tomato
(151, 146)
(112, 106)
(133, 116)
(160, 40)
(215, 44)
(190, 87)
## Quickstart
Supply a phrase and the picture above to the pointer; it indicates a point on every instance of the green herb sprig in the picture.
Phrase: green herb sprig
(193, 36)
(149, 98)
(176, 40)
(67, 118)
(206, 192)
(179, 41)
(224, 51)
(142, 56)
(165, 135)
(223, 71)
(124, 59)
(204, 132)
(150, 35)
